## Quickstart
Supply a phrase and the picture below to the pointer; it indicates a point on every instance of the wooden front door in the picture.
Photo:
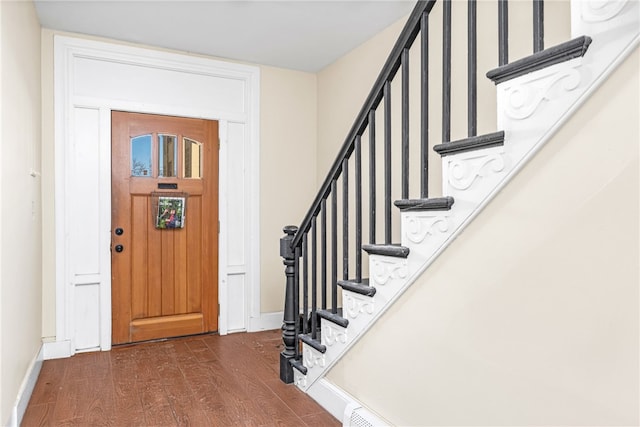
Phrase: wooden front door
(164, 224)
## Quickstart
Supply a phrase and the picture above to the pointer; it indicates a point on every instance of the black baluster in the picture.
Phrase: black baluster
(472, 83)
(289, 332)
(334, 247)
(372, 177)
(404, 58)
(446, 71)
(305, 285)
(314, 279)
(424, 101)
(323, 249)
(538, 25)
(387, 162)
(345, 219)
(358, 189)
(503, 32)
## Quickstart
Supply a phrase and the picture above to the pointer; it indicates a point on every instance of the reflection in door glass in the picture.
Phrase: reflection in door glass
(141, 156)
(167, 155)
(192, 156)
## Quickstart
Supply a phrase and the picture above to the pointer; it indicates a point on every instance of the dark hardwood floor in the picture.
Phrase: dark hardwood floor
(205, 380)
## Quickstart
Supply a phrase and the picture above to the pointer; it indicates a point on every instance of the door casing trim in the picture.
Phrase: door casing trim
(187, 71)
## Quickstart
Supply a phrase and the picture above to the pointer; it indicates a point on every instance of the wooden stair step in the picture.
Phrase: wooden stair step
(297, 364)
(473, 143)
(307, 339)
(553, 55)
(394, 250)
(434, 204)
(335, 318)
(361, 288)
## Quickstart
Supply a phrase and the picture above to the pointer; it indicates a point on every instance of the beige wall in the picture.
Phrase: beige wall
(20, 219)
(342, 89)
(287, 168)
(287, 149)
(530, 317)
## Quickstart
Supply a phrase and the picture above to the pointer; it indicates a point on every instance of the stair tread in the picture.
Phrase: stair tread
(394, 250)
(335, 318)
(473, 143)
(361, 287)
(297, 364)
(316, 344)
(434, 204)
(363, 282)
(554, 55)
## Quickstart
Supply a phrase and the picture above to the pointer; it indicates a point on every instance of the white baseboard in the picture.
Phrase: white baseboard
(26, 389)
(330, 397)
(266, 322)
(57, 349)
(339, 403)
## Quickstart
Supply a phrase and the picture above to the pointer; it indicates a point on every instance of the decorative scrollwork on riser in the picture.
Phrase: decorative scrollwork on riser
(522, 100)
(356, 305)
(464, 172)
(384, 270)
(600, 11)
(300, 380)
(311, 359)
(418, 227)
(333, 334)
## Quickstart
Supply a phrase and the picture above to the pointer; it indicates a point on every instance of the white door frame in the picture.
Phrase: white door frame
(90, 80)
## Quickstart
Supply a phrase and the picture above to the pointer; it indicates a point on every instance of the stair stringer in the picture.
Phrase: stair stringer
(531, 108)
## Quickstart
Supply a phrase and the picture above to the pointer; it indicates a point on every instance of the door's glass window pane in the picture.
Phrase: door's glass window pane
(141, 156)
(167, 155)
(192, 158)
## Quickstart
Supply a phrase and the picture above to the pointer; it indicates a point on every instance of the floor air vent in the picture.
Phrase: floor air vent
(357, 416)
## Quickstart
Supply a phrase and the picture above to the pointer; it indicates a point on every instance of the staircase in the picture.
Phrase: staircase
(327, 312)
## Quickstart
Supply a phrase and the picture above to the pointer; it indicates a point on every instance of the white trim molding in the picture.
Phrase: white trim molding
(57, 349)
(331, 397)
(341, 404)
(26, 389)
(266, 322)
(91, 79)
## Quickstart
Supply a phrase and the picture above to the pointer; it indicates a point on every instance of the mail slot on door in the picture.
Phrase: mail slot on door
(167, 186)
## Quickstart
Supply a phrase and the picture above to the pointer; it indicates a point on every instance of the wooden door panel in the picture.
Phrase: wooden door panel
(165, 281)
(194, 260)
(139, 258)
(180, 273)
(166, 326)
(154, 275)
(168, 273)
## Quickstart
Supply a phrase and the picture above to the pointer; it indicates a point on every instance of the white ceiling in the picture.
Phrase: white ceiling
(296, 34)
